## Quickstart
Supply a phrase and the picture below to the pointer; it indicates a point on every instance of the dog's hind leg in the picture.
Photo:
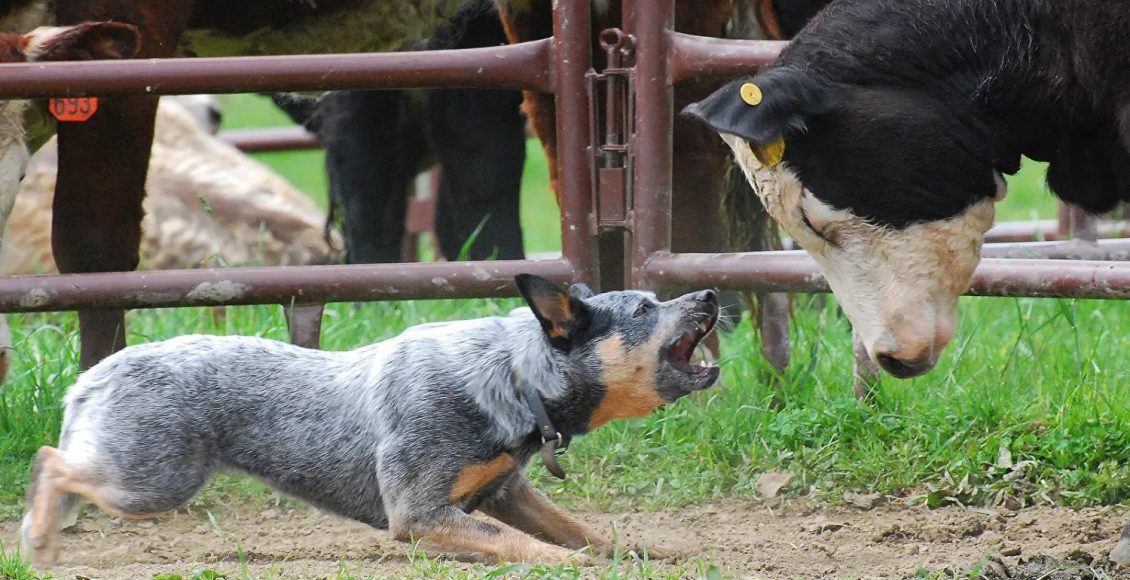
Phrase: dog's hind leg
(529, 510)
(47, 505)
(54, 493)
(448, 528)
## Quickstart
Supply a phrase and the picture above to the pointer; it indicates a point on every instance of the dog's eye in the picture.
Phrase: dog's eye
(644, 307)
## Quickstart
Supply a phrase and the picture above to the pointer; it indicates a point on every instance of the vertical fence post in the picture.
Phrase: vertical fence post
(651, 22)
(572, 34)
(305, 324)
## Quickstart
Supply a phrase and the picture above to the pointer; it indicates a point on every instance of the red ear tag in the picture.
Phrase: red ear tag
(74, 110)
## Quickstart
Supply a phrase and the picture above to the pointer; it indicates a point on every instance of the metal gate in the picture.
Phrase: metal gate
(617, 175)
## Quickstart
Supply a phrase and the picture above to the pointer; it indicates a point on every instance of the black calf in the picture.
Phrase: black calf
(377, 141)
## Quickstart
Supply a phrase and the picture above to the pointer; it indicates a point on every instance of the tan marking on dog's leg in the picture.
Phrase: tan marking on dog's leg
(529, 510)
(54, 478)
(474, 477)
(629, 378)
(43, 530)
(100, 496)
(462, 533)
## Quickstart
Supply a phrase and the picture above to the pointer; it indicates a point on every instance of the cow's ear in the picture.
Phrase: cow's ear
(86, 41)
(764, 109)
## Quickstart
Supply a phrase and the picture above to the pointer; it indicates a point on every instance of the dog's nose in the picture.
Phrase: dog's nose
(706, 296)
(905, 368)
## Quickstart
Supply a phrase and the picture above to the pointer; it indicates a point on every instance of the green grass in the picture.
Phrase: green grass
(12, 567)
(1029, 403)
(1043, 379)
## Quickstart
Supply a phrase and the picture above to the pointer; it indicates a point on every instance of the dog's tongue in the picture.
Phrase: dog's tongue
(681, 352)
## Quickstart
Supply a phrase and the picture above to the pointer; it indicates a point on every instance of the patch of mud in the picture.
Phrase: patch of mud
(753, 539)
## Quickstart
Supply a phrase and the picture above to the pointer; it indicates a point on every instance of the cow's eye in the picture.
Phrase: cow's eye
(644, 307)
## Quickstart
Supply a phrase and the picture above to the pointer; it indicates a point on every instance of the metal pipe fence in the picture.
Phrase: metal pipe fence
(557, 65)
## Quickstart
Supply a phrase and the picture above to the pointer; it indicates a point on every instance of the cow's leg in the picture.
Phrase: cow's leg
(523, 25)
(96, 225)
(96, 220)
(700, 159)
(370, 160)
(13, 163)
(531, 24)
(480, 141)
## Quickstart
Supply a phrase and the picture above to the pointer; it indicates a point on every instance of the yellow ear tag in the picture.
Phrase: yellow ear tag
(769, 154)
(751, 94)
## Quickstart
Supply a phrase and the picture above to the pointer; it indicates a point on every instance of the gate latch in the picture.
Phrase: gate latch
(611, 124)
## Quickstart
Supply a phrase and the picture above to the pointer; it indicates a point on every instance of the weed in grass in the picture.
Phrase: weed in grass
(13, 567)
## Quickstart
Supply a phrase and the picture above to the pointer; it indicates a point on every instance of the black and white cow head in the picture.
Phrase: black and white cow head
(887, 188)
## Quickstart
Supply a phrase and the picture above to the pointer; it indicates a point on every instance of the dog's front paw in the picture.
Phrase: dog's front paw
(582, 557)
(653, 553)
(559, 555)
(662, 554)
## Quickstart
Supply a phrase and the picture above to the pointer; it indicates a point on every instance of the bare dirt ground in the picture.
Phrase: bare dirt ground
(752, 539)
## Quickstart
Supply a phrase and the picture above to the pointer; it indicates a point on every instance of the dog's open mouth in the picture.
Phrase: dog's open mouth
(680, 352)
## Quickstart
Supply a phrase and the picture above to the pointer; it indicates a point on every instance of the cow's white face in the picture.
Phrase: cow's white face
(899, 287)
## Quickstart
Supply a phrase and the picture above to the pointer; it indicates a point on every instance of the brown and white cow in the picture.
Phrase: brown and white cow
(23, 125)
(879, 138)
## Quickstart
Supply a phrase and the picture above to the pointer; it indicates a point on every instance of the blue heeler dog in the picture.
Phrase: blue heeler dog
(410, 434)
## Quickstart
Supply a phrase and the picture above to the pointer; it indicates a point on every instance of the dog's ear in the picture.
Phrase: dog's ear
(562, 314)
(765, 109)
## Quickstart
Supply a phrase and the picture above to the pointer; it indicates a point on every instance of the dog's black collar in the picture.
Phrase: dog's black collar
(552, 440)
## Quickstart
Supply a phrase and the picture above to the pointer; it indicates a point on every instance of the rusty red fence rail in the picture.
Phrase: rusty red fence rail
(795, 271)
(272, 285)
(518, 66)
(272, 139)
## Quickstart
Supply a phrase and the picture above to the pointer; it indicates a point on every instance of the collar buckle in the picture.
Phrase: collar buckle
(549, 453)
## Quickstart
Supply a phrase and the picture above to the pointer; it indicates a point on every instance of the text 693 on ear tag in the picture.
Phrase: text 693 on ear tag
(73, 109)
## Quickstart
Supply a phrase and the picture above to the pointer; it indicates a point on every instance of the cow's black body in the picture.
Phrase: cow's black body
(377, 141)
(900, 110)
